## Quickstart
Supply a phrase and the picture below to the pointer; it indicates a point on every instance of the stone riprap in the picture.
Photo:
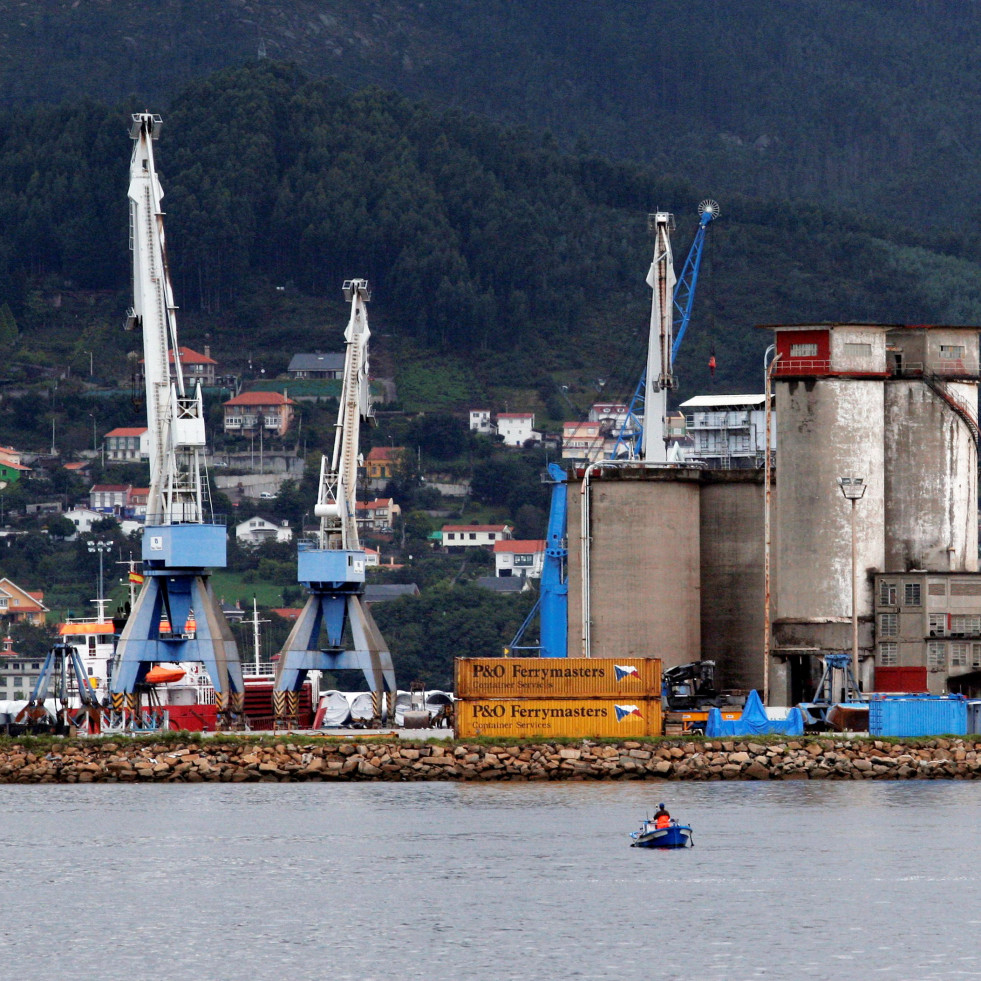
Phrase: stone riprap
(101, 761)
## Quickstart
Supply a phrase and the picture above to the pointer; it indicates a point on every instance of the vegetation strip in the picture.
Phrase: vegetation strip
(231, 759)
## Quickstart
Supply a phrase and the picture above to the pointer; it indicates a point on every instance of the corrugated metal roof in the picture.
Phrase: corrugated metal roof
(718, 401)
(317, 362)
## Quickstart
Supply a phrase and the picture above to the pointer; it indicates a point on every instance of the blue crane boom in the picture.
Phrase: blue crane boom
(553, 597)
(631, 433)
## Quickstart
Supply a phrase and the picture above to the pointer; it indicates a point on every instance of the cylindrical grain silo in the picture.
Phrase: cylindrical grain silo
(829, 412)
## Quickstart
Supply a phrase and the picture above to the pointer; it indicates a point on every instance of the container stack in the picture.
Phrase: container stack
(555, 697)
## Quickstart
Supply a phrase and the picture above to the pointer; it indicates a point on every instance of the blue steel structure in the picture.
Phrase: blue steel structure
(175, 617)
(332, 566)
(552, 604)
(632, 431)
(61, 660)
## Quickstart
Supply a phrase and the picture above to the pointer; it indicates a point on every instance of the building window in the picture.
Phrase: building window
(951, 352)
(524, 560)
(937, 589)
(858, 350)
(936, 655)
(976, 655)
(889, 654)
(938, 624)
(803, 350)
(887, 594)
(888, 624)
(911, 594)
(958, 655)
(965, 589)
(473, 536)
(449, 536)
(966, 624)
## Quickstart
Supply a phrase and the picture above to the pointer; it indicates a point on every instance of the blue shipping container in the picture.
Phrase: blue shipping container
(918, 716)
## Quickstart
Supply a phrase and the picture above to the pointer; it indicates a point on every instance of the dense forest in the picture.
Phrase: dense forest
(478, 240)
(853, 103)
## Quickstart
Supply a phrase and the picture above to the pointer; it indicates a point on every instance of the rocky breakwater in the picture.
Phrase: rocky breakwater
(244, 760)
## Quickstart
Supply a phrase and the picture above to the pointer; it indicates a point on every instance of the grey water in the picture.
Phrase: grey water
(365, 882)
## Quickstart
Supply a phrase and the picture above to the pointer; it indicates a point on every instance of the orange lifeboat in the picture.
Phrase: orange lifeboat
(161, 675)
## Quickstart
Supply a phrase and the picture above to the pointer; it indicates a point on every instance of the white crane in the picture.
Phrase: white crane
(333, 566)
(179, 543)
(660, 373)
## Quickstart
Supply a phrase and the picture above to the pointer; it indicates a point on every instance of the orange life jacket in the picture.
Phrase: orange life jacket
(663, 820)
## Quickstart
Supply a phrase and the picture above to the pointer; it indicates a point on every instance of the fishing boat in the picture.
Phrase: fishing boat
(671, 835)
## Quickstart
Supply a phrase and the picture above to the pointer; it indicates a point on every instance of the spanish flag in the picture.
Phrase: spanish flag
(135, 577)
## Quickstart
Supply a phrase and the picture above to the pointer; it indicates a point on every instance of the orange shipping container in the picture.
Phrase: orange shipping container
(558, 677)
(591, 718)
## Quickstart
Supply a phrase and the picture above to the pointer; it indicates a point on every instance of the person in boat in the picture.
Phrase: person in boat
(661, 817)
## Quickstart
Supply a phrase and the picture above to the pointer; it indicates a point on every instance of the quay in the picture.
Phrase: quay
(299, 757)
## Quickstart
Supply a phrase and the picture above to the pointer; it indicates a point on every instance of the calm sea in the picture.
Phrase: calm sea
(514, 881)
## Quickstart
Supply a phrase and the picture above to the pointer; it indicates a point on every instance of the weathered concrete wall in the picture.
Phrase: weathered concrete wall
(732, 594)
(241, 761)
(930, 479)
(644, 566)
(827, 428)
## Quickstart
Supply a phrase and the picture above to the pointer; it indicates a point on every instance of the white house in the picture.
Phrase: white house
(473, 536)
(610, 415)
(516, 557)
(516, 428)
(480, 421)
(83, 519)
(257, 530)
(128, 443)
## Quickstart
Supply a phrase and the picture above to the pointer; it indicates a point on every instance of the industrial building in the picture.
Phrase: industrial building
(669, 561)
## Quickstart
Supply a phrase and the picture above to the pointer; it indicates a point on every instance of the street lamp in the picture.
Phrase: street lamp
(101, 547)
(853, 489)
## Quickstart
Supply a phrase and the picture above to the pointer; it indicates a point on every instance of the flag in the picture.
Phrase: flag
(135, 577)
(622, 671)
(623, 711)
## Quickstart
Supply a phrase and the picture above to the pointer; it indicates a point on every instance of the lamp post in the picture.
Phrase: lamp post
(853, 489)
(100, 546)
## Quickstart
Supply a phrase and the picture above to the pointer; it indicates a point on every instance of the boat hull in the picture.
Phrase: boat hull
(674, 836)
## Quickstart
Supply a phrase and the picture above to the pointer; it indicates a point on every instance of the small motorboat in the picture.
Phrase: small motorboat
(671, 835)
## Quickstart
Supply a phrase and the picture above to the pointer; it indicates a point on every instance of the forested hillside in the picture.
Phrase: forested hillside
(484, 244)
(853, 103)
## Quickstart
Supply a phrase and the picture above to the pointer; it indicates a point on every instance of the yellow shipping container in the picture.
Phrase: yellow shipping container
(520, 718)
(558, 677)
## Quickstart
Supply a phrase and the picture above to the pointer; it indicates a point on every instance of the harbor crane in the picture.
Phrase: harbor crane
(176, 617)
(332, 566)
(642, 435)
(552, 604)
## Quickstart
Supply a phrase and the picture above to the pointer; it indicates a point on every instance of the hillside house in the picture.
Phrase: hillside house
(377, 515)
(480, 421)
(517, 557)
(517, 428)
(455, 538)
(610, 415)
(583, 441)
(21, 605)
(109, 498)
(83, 519)
(247, 413)
(326, 366)
(195, 367)
(257, 530)
(382, 462)
(11, 467)
(127, 443)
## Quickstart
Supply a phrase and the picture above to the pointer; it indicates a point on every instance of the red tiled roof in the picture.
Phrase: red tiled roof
(260, 398)
(287, 612)
(127, 431)
(381, 502)
(519, 545)
(386, 453)
(447, 528)
(189, 356)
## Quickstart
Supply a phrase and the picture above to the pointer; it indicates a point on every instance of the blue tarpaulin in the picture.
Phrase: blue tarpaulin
(754, 721)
